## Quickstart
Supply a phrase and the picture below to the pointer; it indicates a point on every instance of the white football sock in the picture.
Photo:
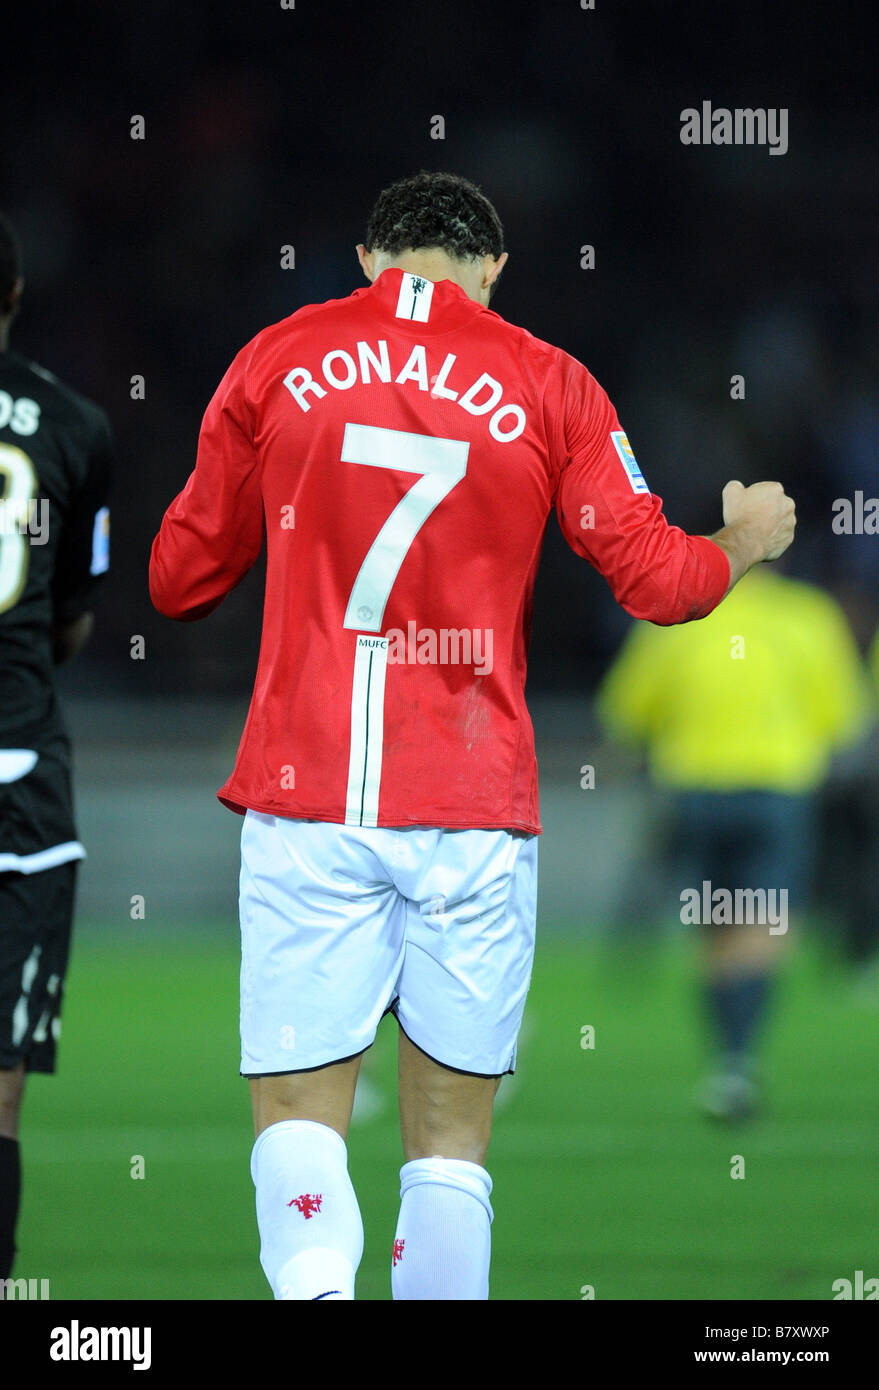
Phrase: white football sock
(443, 1242)
(308, 1217)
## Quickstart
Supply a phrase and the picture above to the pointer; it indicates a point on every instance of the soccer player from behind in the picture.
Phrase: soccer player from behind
(54, 528)
(403, 448)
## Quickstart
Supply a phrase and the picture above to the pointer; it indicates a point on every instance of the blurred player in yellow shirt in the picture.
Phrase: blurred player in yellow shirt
(740, 715)
(873, 663)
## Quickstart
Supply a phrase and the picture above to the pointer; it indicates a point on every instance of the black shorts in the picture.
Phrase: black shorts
(36, 915)
(748, 839)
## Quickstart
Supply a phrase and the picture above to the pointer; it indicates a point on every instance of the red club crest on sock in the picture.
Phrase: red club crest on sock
(307, 1204)
(398, 1251)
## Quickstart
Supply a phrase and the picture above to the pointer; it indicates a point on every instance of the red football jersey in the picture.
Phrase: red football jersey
(402, 449)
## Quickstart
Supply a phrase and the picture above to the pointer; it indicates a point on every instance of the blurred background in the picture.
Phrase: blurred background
(267, 127)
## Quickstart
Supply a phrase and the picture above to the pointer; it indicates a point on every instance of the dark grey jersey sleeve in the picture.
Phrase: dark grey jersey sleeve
(83, 553)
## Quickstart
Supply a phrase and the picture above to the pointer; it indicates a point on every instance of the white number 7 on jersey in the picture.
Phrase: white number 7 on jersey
(442, 463)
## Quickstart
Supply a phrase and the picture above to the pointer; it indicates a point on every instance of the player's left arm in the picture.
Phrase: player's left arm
(212, 532)
(655, 570)
(83, 552)
(68, 639)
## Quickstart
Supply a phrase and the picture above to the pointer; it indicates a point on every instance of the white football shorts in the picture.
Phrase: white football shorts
(341, 924)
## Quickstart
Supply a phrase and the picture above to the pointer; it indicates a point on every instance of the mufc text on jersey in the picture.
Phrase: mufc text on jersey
(340, 370)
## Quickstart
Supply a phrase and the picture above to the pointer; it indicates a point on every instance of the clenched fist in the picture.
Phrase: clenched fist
(764, 515)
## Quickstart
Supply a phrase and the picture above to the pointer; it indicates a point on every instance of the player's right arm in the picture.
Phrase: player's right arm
(212, 532)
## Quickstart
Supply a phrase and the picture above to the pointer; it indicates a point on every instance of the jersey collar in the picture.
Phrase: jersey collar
(418, 304)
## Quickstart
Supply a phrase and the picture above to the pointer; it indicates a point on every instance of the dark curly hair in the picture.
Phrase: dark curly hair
(10, 260)
(435, 210)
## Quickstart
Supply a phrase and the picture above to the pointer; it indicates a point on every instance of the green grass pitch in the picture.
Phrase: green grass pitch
(604, 1174)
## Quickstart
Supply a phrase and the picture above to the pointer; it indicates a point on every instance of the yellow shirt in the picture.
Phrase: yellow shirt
(873, 663)
(757, 695)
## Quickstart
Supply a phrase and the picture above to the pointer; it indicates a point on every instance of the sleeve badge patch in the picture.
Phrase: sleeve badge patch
(628, 460)
(101, 542)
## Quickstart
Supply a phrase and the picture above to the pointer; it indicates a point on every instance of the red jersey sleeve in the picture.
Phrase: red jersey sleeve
(212, 532)
(656, 571)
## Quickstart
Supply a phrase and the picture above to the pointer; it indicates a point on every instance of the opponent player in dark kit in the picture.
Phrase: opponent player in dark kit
(54, 545)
